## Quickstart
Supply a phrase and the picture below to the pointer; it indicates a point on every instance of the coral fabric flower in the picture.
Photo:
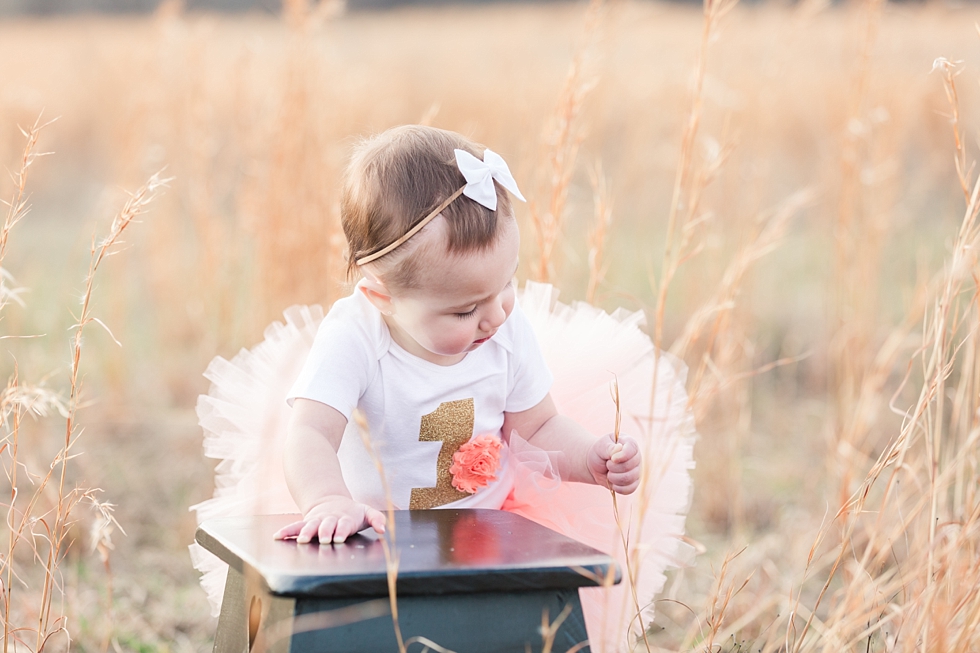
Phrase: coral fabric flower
(475, 463)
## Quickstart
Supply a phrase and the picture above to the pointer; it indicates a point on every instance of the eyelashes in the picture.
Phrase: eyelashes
(467, 314)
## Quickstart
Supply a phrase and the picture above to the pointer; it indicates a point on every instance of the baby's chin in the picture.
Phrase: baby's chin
(449, 352)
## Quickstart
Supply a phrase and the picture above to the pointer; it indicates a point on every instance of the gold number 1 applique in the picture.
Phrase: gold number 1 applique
(452, 424)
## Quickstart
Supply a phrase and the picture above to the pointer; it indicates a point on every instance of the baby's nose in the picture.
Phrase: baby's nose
(494, 317)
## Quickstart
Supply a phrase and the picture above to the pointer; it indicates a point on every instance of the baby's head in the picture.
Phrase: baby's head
(397, 178)
(447, 288)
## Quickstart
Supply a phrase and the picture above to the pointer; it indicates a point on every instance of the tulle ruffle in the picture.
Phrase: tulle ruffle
(586, 350)
(244, 418)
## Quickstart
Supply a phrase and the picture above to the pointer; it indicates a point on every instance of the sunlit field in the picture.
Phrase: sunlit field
(788, 192)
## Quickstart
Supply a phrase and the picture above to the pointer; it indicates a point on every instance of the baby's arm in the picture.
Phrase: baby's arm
(587, 459)
(315, 480)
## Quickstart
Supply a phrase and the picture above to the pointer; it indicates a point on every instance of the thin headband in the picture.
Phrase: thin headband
(479, 176)
(411, 232)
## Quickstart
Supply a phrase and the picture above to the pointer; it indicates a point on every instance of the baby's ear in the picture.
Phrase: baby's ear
(376, 293)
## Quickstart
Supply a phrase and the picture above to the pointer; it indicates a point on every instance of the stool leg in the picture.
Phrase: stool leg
(232, 633)
(275, 633)
(572, 632)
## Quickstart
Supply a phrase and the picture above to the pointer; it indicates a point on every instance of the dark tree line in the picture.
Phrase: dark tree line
(51, 7)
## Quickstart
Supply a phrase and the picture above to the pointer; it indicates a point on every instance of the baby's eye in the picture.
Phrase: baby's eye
(463, 316)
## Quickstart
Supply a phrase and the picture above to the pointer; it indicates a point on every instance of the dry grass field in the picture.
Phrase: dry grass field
(789, 193)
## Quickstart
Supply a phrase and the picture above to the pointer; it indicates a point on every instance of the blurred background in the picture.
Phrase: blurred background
(780, 186)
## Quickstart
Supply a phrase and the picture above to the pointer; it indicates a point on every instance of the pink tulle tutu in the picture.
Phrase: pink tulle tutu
(586, 349)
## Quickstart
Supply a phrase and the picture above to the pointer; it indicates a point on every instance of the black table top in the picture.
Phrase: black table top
(439, 552)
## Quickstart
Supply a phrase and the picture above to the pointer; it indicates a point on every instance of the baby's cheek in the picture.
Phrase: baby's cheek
(454, 341)
(462, 340)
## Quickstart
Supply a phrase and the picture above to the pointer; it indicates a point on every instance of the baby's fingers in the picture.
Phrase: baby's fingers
(292, 530)
(624, 482)
(627, 465)
(627, 449)
(308, 532)
(345, 526)
(376, 519)
(326, 530)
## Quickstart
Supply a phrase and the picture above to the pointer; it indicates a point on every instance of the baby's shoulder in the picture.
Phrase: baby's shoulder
(353, 321)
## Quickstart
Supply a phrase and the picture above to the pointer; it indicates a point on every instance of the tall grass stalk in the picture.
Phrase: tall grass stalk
(564, 139)
(388, 539)
(684, 239)
(859, 234)
(686, 222)
(710, 320)
(602, 221)
(46, 530)
(925, 603)
(17, 205)
(269, 638)
(17, 399)
(684, 216)
(631, 569)
(101, 250)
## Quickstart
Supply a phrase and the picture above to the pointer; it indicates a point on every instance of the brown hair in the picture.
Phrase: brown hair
(393, 181)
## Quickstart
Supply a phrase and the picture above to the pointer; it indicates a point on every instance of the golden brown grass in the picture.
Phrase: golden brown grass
(787, 191)
(42, 508)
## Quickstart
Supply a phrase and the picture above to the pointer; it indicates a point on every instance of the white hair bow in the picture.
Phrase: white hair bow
(480, 176)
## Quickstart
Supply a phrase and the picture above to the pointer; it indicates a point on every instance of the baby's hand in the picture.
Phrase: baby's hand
(333, 520)
(615, 465)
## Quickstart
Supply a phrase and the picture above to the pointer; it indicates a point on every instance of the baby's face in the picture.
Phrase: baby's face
(463, 301)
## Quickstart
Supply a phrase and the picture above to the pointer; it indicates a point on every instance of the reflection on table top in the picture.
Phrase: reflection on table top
(438, 552)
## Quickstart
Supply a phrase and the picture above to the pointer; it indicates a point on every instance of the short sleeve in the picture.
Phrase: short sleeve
(530, 379)
(342, 362)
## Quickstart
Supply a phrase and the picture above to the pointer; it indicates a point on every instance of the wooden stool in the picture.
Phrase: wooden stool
(473, 581)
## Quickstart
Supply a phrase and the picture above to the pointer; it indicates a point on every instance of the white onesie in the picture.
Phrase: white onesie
(418, 413)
